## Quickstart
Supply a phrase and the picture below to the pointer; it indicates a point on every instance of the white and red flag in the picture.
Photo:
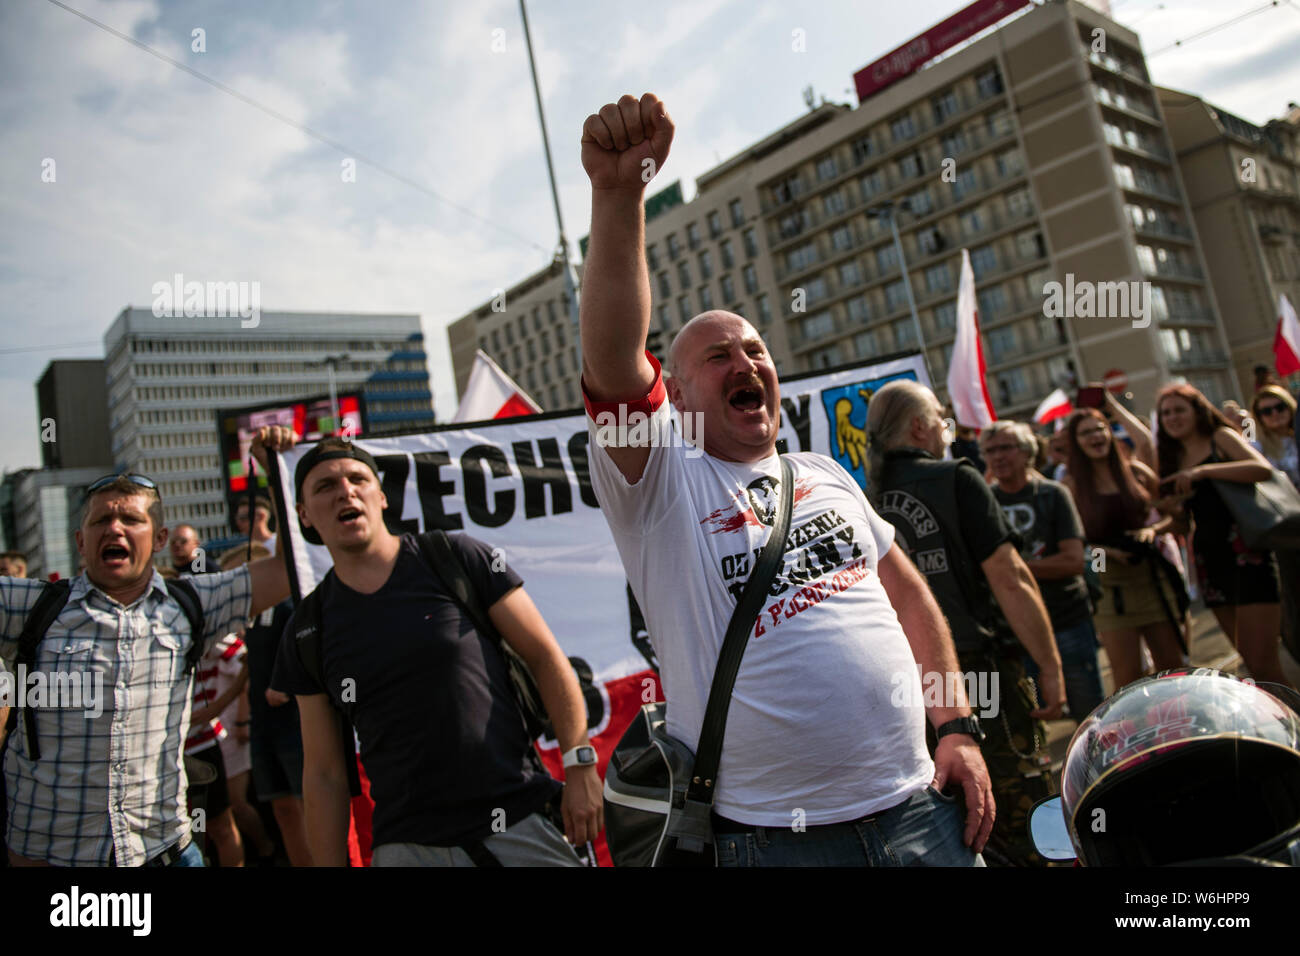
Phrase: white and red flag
(1286, 344)
(967, 388)
(491, 393)
(1054, 406)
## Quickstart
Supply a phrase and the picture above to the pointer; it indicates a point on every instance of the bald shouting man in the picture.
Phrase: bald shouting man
(826, 728)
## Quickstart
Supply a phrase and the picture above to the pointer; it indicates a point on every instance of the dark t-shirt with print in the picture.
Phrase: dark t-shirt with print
(441, 736)
(1043, 514)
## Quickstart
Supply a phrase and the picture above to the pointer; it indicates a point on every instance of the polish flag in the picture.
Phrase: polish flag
(1054, 406)
(967, 389)
(1286, 344)
(491, 393)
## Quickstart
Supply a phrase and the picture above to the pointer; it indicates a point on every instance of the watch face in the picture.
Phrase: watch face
(586, 755)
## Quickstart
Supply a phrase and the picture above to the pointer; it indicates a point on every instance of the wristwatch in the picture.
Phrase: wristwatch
(962, 725)
(581, 756)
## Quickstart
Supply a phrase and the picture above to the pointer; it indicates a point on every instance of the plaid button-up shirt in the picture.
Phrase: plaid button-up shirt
(112, 781)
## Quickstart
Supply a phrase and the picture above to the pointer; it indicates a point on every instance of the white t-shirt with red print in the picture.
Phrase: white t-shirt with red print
(827, 721)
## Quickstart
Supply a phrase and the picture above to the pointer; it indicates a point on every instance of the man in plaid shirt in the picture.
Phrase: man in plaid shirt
(109, 787)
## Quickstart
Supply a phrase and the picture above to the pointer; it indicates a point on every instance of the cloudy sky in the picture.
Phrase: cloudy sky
(159, 172)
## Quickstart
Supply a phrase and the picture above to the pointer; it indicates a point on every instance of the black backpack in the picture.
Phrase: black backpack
(49, 605)
(445, 564)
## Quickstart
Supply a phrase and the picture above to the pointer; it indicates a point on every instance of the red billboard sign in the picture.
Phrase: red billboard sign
(908, 58)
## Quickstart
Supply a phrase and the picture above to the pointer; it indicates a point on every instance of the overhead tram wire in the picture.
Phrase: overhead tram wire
(1215, 29)
(301, 127)
(49, 348)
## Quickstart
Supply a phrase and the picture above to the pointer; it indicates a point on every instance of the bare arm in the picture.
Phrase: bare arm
(270, 582)
(623, 147)
(957, 756)
(1066, 563)
(324, 782)
(522, 626)
(1247, 465)
(1144, 448)
(925, 628)
(1021, 602)
(524, 629)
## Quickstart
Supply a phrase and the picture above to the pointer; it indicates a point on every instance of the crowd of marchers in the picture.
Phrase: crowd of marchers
(1011, 555)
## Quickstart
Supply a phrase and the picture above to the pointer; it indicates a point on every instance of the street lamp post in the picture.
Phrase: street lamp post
(562, 251)
(886, 211)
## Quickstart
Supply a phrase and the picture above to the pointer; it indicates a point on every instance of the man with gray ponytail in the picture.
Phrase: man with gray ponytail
(954, 529)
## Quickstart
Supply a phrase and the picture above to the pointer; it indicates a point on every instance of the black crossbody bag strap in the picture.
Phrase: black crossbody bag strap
(708, 754)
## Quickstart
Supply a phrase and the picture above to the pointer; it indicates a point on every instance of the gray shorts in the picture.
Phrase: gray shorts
(533, 841)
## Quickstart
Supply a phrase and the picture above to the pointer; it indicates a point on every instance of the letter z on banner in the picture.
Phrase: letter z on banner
(523, 486)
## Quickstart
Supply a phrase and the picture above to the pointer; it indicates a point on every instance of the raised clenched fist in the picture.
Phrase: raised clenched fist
(625, 144)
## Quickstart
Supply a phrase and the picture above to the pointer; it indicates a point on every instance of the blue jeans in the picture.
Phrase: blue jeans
(1078, 646)
(190, 856)
(924, 830)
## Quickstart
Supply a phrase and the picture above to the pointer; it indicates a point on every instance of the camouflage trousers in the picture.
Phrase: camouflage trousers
(1015, 750)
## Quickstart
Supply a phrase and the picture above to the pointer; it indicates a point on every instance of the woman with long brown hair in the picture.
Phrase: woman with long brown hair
(1194, 444)
(1113, 492)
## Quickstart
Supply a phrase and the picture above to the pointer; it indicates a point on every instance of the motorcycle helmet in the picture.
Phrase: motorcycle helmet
(1192, 764)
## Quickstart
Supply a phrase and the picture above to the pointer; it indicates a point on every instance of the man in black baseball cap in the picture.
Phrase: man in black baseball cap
(327, 450)
(448, 759)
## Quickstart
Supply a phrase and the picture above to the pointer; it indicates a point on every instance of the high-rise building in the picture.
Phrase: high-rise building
(168, 376)
(1039, 146)
(1243, 183)
(72, 406)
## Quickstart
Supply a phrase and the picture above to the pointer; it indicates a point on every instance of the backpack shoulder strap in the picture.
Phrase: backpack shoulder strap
(184, 594)
(49, 605)
(436, 549)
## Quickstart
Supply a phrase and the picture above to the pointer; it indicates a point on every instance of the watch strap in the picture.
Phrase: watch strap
(961, 725)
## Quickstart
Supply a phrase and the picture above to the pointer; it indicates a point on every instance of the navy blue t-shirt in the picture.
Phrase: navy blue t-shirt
(442, 739)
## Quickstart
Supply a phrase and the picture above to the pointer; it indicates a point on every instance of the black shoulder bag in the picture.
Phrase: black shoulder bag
(658, 794)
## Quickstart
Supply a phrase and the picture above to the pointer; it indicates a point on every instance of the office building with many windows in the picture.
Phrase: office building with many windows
(168, 376)
(530, 334)
(1040, 147)
(1243, 185)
